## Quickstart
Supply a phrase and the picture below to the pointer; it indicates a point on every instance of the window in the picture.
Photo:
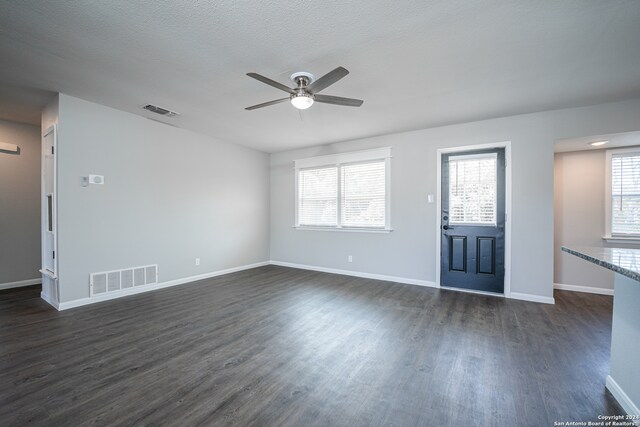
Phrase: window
(318, 196)
(473, 189)
(623, 193)
(348, 191)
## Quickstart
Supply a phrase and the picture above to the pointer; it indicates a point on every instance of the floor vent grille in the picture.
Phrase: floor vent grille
(117, 280)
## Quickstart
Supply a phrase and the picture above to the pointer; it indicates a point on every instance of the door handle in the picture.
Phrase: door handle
(445, 227)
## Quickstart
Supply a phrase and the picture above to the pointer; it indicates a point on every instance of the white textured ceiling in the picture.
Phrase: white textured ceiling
(416, 64)
(614, 140)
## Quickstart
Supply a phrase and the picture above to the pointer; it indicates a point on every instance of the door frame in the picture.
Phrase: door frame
(53, 129)
(507, 210)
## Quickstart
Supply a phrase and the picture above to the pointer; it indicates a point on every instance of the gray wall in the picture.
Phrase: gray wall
(170, 195)
(19, 203)
(579, 216)
(409, 251)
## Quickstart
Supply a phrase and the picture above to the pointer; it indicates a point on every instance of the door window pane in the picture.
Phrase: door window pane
(473, 189)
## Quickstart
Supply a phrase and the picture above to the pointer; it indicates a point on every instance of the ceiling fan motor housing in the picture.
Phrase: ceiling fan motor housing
(297, 77)
(306, 90)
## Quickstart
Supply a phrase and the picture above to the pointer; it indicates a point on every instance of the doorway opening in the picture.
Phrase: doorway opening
(596, 204)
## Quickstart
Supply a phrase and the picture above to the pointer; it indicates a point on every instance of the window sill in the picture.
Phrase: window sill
(344, 229)
(620, 239)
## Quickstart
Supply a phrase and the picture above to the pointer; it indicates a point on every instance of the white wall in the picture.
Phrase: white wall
(19, 204)
(580, 217)
(170, 195)
(409, 251)
(624, 378)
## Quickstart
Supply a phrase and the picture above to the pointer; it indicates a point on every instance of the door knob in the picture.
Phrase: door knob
(445, 227)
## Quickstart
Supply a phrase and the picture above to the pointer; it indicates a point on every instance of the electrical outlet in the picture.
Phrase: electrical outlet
(197, 261)
(350, 258)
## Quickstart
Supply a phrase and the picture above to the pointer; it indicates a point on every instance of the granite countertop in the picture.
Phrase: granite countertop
(625, 261)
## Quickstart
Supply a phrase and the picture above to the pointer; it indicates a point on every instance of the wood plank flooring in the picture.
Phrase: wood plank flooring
(280, 346)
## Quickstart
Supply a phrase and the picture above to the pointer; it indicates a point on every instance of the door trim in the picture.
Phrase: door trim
(507, 208)
(51, 275)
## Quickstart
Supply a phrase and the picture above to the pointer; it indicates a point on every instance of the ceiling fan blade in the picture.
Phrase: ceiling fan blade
(270, 82)
(266, 104)
(327, 80)
(338, 100)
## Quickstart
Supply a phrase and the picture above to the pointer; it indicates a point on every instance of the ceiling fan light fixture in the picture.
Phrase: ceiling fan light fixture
(302, 101)
(306, 90)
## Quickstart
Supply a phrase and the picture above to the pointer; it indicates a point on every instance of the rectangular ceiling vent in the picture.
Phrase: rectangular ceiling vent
(159, 110)
(107, 282)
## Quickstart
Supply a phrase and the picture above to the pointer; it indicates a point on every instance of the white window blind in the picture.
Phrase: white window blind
(625, 194)
(363, 195)
(318, 197)
(473, 189)
(344, 191)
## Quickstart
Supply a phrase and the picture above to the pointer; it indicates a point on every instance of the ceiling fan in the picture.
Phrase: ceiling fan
(306, 89)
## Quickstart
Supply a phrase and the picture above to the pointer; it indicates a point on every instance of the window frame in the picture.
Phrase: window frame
(609, 236)
(338, 161)
(491, 155)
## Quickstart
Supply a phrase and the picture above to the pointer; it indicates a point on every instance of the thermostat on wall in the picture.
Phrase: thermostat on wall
(96, 179)
(92, 179)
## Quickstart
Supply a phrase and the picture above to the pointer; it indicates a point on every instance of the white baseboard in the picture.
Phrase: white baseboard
(140, 289)
(622, 398)
(514, 295)
(20, 283)
(531, 297)
(55, 304)
(472, 291)
(132, 291)
(357, 274)
(587, 289)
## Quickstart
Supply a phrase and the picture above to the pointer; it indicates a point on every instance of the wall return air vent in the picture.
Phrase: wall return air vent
(160, 110)
(107, 282)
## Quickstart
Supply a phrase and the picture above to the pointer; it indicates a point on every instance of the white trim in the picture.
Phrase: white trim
(418, 282)
(532, 298)
(609, 154)
(387, 189)
(587, 289)
(475, 156)
(356, 274)
(55, 304)
(20, 283)
(10, 148)
(338, 158)
(53, 129)
(152, 287)
(49, 274)
(344, 229)
(507, 209)
(621, 239)
(472, 291)
(623, 399)
(607, 193)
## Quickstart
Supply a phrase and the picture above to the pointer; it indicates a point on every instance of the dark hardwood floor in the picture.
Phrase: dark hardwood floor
(279, 346)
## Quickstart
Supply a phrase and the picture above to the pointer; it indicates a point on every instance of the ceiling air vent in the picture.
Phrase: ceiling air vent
(160, 110)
